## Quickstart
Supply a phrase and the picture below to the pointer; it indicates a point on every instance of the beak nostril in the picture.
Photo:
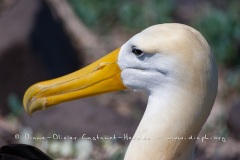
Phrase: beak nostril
(101, 66)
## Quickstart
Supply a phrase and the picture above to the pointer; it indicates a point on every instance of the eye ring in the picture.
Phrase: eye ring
(137, 52)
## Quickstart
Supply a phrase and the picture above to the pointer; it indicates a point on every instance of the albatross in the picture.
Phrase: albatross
(173, 63)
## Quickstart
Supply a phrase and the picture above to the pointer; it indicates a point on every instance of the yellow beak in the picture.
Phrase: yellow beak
(102, 76)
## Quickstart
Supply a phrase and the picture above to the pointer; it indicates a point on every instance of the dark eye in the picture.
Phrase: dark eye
(137, 52)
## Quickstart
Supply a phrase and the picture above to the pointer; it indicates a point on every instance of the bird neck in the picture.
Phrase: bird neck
(168, 128)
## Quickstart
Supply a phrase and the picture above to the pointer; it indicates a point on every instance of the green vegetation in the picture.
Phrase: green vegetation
(132, 14)
(222, 29)
(15, 104)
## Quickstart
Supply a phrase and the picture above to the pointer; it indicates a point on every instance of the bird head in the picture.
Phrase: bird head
(161, 56)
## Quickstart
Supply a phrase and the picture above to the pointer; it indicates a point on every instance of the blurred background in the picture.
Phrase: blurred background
(44, 39)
